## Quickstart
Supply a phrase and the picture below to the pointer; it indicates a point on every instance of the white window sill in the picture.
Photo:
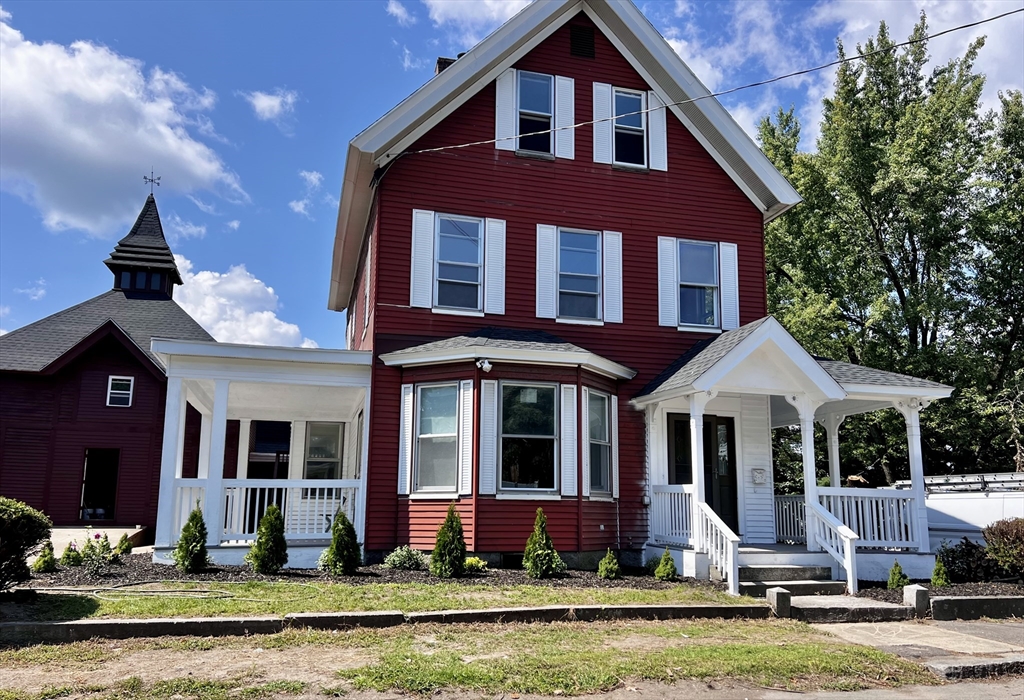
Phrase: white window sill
(633, 167)
(580, 321)
(602, 497)
(457, 312)
(698, 329)
(507, 496)
(433, 496)
(535, 155)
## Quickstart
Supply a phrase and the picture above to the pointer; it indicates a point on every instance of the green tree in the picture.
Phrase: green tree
(540, 558)
(190, 553)
(269, 553)
(449, 557)
(343, 557)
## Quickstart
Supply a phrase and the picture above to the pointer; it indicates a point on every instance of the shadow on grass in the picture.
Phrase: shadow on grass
(26, 605)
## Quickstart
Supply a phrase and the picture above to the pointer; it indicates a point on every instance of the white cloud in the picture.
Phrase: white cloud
(469, 22)
(313, 182)
(5, 16)
(81, 121)
(36, 291)
(235, 307)
(697, 58)
(181, 228)
(400, 12)
(272, 106)
(409, 62)
(300, 206)
(234, 224)
(312, 178)
(4, 310)
(203, 206)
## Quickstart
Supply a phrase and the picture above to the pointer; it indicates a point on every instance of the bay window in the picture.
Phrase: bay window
(437, 431)
(599, 442)
(528, 436)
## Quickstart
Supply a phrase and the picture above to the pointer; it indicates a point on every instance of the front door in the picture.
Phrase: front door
(720, 482)
(99, 483)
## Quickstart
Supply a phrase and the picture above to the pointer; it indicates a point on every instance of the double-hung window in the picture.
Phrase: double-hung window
(698, 284)
(437, 430)
(536, 111)
(599, 444)
(630, 142)
(324, 444)
(120, 390)
(579, 274)
(459, 263)
(529, 435)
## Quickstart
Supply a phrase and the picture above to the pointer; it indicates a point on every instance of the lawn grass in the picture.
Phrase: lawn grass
(261, 598)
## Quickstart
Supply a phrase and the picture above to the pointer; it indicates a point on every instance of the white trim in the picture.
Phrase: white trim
(437, 262)
(565, 115)
(546, 271)
(422, 272)
(643, 126)
(587, 360)
(599, 237)
(235, 351)
(680, 242)
(465, 439)
(604, 130)
(535, 496)
(550, 115)
(875, 391)
(456, 312)
(699, 329)
(657, 127)
(406, 439)
(414, 486)
(444, 496)
(494, 266)
(556, 438)
(506, 110)
(487, 483)
(579, 322)
(611, 282)
(130, 392)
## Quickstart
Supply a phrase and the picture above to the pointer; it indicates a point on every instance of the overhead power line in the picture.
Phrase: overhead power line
(759, 83)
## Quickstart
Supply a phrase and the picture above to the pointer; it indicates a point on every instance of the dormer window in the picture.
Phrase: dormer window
(536, 109)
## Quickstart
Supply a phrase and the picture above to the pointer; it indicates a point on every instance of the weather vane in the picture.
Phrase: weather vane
(151, 181)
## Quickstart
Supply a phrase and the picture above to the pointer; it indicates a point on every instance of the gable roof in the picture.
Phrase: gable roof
(38, 345)
(145, 246)
(638, 41)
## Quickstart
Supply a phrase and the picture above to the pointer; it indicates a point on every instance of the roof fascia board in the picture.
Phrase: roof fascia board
(871, 392)
(107, 328)
(659, 396)
(587, 360)
(167, 347)
(356, 202)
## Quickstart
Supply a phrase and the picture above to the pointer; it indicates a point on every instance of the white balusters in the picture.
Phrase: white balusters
(672, 513)
(789, 518)
(880, 517)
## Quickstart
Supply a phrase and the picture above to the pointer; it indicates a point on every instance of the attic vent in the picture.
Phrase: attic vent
(581, 41)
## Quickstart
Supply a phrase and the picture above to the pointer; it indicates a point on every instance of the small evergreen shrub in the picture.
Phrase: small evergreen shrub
(449, 557)
(540, 559)
(22, 529)
(45, 563)
(269, 553)
(405, 558)
(97, 554)
(651, 565)
(608, 568)
(343, 557)
(666, 570)
(124, 546)
(939, 576)
(190, 554)
(967, 562)
(475, 565)
(897, 579)
(1005, 539)
(72, 555)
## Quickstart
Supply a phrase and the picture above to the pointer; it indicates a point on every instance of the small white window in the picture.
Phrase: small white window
(630, 142)
(120, 390)
(698, 284)
(535, 111)
(324, 445)
(437, 432)
(529, 436)
(458, 269)
(579, 274)
(600, 442)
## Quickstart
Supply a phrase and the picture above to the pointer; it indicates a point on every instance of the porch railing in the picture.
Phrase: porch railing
(672, 514)
(714, 538)
(836, 539)
(188, 494)
(880, 517)
(790, 516)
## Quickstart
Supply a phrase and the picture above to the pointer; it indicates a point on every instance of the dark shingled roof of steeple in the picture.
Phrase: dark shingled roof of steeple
(145, 248)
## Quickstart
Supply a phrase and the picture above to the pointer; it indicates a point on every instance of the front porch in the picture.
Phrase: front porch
(280, 426)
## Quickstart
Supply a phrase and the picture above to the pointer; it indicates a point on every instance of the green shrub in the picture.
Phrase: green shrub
(124, 546)
(190, 555)
(405, 558)
(269, 553)
(72, 555)
(22, 529)
(97, 554)
(939, 576)
(1005, 539)
(666, 570)
(651, 565)
(475, 565)
(967, 562)
(449, 557)
(608, 568)
(897, 579)
(540, 559)
(343, 557)
(45, 563)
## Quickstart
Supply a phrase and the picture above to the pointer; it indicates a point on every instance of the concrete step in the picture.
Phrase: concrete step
(756, 589)
(785, 572)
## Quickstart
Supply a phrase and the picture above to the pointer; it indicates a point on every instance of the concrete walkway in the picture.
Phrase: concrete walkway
(61, 536)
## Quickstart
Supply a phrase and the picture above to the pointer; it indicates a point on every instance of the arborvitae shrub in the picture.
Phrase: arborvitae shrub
(475, 565)
(540, 559)
(1005, 539)
(405, 558)
(190, 555)
(45, 563)
(343, 557)
(124, 546)
(651, 565)
(72, 555)
(666, 570)
(22, 529)
(897, 579)
(608, 568)
(269, 553)
(939, 576)
(449, 557)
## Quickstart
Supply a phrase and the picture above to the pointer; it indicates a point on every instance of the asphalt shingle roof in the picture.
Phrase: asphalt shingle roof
(492, 337)
(145, 246)
(847, 373)
(33, 347)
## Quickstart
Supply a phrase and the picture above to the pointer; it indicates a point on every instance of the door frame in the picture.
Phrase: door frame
(85, 476)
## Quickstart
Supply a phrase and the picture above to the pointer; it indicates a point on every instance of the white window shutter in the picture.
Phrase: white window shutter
(505, 111)
(612, 277)
(421, 275)
(729, 283)
(585, 438)
(657, 125)
(565, 116)
(488, 437)
(603, 127)
(405, 440)
(568, 436)
(494, 267)
(547, 275)
(466, 437)
(614, 427)
(668, 284)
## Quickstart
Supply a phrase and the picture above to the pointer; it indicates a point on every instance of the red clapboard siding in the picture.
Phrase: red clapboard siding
(694, 199)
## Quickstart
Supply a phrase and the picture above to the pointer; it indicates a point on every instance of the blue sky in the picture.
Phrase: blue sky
(244, 110)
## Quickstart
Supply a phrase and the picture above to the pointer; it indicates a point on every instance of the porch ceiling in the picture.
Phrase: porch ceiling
(784, 413)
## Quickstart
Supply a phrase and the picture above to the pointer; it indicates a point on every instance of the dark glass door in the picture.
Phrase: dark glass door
(720, 482)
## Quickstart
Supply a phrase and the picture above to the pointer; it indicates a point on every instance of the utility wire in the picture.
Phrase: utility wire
(767, 81)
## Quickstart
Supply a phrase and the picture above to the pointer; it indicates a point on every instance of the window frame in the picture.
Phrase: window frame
(643, 129)
(607, 442)
(600, 276)
(110, 390)
(680, 284)
(556, 439)
(481, 222)
(530, 113)
(340, 459)
(415, 487)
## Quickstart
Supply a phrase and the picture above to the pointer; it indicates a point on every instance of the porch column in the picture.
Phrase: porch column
(911, 410)
(698, 402)
(832, 422)
(297, 451)
(244, 427)
(213, 507)
(363, 466)
(805, 408)
(205, 424)
(170, 462)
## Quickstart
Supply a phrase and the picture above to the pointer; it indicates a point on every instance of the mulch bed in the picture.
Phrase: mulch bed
(137, 568)
(877, 590)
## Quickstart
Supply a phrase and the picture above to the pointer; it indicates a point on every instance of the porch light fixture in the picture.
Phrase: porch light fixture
(485, 365)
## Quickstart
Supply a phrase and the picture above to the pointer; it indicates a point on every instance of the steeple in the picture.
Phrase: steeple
(142, 262)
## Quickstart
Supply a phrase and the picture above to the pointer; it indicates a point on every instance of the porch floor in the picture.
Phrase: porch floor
(779, 548)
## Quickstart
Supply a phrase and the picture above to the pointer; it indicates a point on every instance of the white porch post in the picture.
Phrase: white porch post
(805, 408)
(170, 462)
(244, 427)
(364, 461)
(204, 445)
(213, 508)
(832, 422)
(698, 402)
(911, 410)
(297, 450)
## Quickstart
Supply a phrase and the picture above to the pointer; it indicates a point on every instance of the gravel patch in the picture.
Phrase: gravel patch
(877, 590)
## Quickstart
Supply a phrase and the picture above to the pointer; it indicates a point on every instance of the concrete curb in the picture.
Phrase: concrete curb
(955, 668)
(964, 608)
(75, 630)
(839, 614)
(341, 620)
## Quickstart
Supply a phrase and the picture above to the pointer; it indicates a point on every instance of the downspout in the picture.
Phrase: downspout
(579, 458)
(475, 469)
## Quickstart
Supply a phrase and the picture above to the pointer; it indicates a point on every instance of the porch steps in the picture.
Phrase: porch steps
(755, 580)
